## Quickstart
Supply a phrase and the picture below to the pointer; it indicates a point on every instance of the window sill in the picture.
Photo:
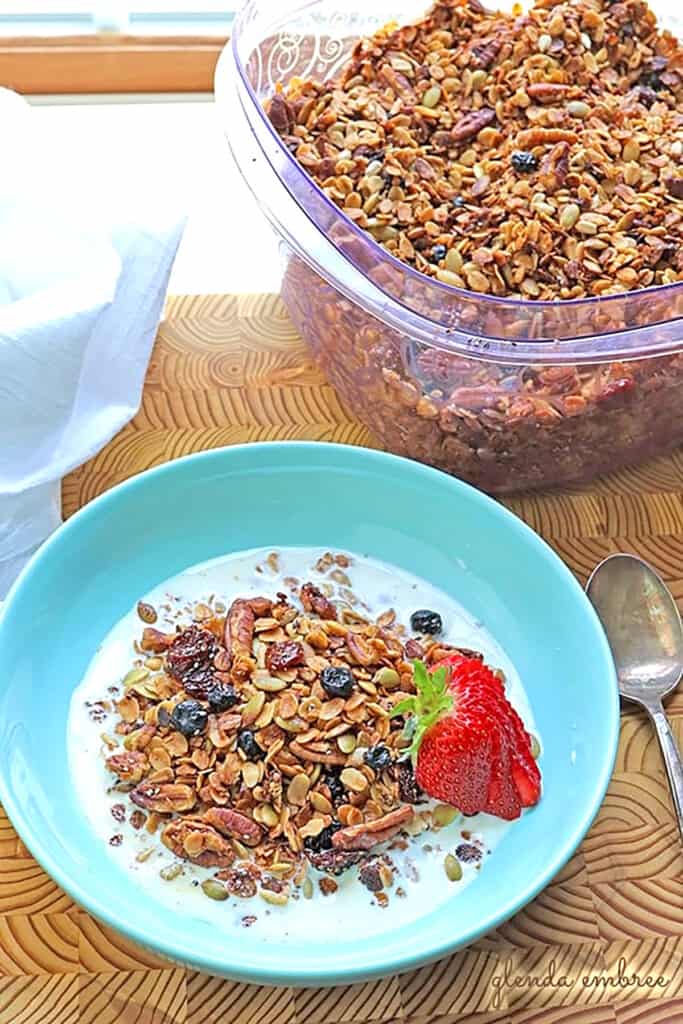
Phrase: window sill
(109, 64)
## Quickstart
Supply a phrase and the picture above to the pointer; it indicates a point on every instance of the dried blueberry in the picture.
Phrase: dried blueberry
(337, 681)
(248, 745)
(335, 786)
(221, 696)
(189, 717)
(458, 202)
(426, 621)
(378, 758)
(323, 841)
(438, 253)
(524, 163)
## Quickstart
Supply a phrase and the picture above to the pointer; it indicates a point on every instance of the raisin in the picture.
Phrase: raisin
(190, 659)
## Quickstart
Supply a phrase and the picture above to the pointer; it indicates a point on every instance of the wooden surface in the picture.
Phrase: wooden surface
(232, 369)
(109, 63)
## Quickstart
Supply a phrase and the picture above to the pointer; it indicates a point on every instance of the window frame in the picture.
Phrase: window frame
(109, 63)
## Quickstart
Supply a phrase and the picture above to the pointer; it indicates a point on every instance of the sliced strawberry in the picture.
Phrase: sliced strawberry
(469, 745)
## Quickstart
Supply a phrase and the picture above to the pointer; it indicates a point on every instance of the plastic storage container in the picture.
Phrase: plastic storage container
(504, 393)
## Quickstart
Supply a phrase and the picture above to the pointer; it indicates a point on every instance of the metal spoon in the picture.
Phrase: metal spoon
(644, 630)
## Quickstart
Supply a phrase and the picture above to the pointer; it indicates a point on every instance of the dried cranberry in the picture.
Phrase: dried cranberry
(284, 655)
(190, 659)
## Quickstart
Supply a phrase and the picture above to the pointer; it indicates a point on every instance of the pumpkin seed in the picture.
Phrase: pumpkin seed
(452, 868)
(444, 814)
(544, 42)
(577, 108)
(268, 683)
(347, 742)
(295, 724)
(535, 747)
(214, 889)
(569, 216)
(136, 675)
(171, 872)
(145, 854)
(387, 677)
(277, 899)
(432, 96)
(307, 889)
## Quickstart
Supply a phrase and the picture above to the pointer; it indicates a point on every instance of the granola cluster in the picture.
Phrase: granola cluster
(258, 740)
(534, 155)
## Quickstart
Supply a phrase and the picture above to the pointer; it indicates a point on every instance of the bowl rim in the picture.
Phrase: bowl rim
(257, 973)
(422, 281)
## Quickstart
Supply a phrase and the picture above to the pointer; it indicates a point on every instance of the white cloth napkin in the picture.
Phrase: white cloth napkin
(84, 266)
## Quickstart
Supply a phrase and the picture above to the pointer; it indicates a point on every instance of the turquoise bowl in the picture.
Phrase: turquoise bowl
(96, 566)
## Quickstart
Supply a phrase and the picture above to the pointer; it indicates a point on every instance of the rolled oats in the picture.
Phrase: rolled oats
(279, 779)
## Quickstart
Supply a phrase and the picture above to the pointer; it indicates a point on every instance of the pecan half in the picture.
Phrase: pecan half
(413, 649)
(674, 186)
(129, 766)
(198, 842)
(164, 798)
(554, 167)
(371, 833)
(238, 638)
(232, 823)
(315, 601)
(284, 655)
(260, 606)
(547, 92)
(280, 114)
(471, 124)
(486, 52)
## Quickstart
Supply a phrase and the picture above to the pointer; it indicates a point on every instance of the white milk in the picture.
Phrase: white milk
(419, 870)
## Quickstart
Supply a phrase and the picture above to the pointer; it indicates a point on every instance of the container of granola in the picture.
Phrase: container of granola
(480, 221)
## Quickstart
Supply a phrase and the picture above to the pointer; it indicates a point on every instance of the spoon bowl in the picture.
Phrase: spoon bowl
(644, 631)
(643, 626)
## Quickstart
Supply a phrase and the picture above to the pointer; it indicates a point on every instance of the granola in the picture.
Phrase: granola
(289, 782)
(534, 155)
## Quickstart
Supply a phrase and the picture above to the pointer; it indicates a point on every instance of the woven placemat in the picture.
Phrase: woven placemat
(602, 945)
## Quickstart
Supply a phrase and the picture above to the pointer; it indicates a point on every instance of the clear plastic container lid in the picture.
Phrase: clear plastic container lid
(273, 42)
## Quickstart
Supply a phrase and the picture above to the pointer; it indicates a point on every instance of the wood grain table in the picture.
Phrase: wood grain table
(603, 944)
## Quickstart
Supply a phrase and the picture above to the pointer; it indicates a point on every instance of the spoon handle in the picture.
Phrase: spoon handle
(672, 758)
